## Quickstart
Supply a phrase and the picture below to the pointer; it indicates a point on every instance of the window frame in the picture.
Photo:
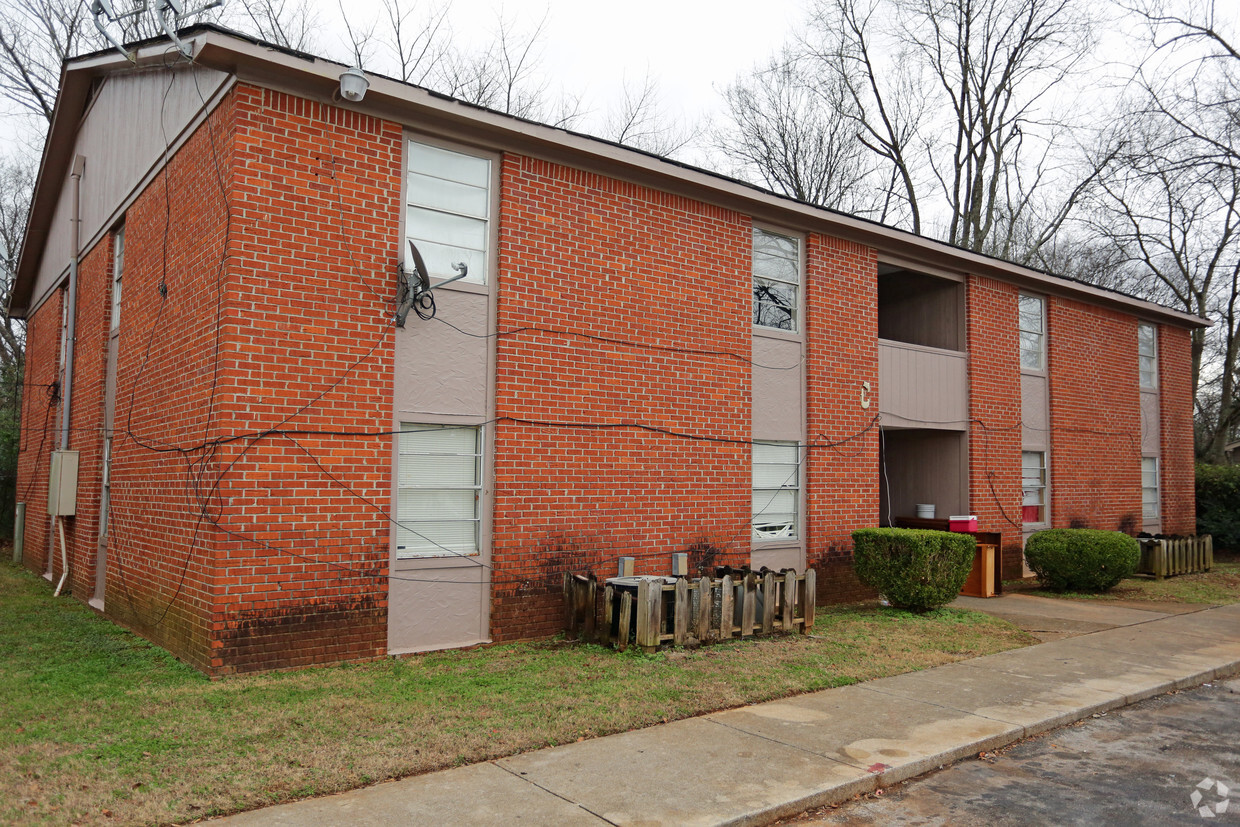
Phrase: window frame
(118, 272)
(477, 486)
(1156, 515)
(1042, 487)
(476, 280)
(796, 312)
(766, 495)
(1040, 333)
(1152, 357)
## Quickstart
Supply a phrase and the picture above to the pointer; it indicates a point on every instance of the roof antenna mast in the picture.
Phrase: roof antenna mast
(104, 8)
(167, 13)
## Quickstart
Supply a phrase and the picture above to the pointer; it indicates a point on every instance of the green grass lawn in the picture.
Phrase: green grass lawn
(1219, 585)
(98, 726)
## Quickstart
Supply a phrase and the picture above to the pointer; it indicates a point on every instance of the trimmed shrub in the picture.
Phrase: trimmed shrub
(1218, 504)
(1081, 559)
(913, 568)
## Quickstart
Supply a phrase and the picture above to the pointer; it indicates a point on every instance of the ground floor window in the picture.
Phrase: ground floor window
(1033, 485)
(439, 484)
(1149, 489)
(776, 490)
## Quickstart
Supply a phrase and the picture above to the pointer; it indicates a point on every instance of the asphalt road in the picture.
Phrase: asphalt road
(1135, 766)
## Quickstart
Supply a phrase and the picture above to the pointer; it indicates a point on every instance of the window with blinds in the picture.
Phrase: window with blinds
(776, 490)
(438, 490)
(1149, 489)
(448, 210)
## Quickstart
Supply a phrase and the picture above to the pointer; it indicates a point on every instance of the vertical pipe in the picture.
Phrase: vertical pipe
(79, 166)
(19, 533)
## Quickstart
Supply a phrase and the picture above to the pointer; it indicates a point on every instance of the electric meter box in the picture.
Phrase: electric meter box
(62, 487)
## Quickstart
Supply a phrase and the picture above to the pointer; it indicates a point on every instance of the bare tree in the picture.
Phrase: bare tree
(16, 185)
(416, 43)
(35, 37)
(952, 100)
(1171, 202)
(640, 120)
(289, 23)
(793, 135)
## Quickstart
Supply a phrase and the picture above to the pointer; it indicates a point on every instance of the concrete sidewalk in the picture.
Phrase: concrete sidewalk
(755, 764)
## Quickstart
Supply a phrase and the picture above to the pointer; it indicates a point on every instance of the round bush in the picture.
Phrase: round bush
(912, 568)
(1081, 559)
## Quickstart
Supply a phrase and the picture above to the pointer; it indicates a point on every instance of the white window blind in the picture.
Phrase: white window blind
(448, 209)
(438, 489)
(776, 489)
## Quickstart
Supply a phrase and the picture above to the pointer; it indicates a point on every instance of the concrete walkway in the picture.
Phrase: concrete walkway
(755, 764)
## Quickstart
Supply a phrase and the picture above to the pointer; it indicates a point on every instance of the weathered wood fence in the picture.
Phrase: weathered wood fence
(1185, 555)
(686, 611)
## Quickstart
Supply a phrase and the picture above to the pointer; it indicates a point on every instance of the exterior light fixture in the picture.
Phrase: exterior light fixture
(353, 84)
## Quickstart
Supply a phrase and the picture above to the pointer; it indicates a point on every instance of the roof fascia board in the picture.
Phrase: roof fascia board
(422, 111)
(174, 145)
(76, 78)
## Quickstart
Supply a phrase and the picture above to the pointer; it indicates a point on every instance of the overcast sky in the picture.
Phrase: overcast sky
(692, 48)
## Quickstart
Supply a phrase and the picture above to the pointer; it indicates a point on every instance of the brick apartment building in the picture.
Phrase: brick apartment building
(641, 358)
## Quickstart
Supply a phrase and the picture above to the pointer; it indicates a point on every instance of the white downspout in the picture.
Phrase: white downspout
(66, 411)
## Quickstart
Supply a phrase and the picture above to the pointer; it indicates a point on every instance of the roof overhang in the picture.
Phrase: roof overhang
(317, 78)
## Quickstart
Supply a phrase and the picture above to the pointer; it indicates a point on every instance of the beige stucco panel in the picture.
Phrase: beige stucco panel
(1151, 424)
(922, 386)
(441, 370)
(440, 607)
(1034, 412)
(132, 122)
(778, 406)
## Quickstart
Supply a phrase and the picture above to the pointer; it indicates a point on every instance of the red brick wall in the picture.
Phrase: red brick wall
(160, 549)
(589, 255)
(94, 307)
(301, 564)
(1095, 417)
(40, 433)
(995, 411)
(841, 321)
(1175, 398)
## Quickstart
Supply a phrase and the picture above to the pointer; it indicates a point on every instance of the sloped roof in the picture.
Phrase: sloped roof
(317, 78)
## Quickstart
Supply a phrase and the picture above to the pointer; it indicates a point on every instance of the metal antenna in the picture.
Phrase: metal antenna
(104, 8)
(168, 14)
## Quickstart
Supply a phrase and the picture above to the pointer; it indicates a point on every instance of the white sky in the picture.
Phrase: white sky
(691, 48)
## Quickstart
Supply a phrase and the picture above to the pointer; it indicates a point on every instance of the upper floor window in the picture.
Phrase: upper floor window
(1147, 355)
(118, 269)
(776, 280)
(1032, 333)
(448, 210)
(776, 490)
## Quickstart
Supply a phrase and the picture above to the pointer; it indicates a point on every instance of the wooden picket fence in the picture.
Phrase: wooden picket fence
(1185, 555)
(689, 612)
